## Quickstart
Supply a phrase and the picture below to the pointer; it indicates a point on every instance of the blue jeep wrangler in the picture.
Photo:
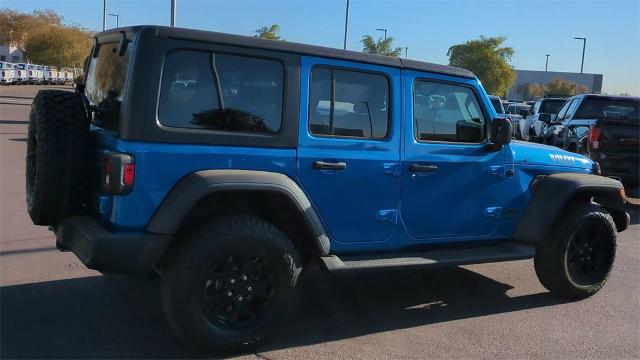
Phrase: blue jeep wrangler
(226, 164)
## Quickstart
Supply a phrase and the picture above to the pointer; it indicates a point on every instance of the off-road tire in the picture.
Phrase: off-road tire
(187, 280)
(553, 257)
(58, 153)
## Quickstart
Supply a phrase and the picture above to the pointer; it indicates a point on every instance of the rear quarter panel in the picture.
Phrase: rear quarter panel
(159, 166)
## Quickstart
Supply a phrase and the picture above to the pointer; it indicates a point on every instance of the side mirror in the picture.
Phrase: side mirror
(523, 112)
(501, 130)
(545, 118)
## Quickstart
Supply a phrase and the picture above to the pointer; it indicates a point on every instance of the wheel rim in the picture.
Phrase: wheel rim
(238, 291)
(589, 255)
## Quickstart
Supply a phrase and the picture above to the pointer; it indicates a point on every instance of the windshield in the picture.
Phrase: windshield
(551, 106)
(595, 108)
(497, 105)
(105, 83)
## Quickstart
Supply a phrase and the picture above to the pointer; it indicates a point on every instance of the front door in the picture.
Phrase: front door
(348, 148)
(453, 179)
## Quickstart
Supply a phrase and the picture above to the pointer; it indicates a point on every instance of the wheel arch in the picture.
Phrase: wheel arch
(553, 193)
(272, 196)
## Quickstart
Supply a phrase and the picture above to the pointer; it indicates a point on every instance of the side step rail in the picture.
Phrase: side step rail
(432, 258)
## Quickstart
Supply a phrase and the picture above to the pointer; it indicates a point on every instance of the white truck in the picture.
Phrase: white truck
(7, 74)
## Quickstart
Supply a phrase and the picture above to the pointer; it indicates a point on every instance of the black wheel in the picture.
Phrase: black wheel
(57, 156)
(231, 285)
(578, 257)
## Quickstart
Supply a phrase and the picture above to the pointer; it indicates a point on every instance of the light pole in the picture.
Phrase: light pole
(104, 15)
(584, 45)
(117, 19)
(346, 25)
(385, 33)
(546, 65)
(406, 51)
(173, 12)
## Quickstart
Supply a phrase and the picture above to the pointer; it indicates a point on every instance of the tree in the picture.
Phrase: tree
(43, 38)
(17, 27)
(559, 86)
(535, 91)
(380, 47)
(488, 59)
(58, 46)
(269, 32)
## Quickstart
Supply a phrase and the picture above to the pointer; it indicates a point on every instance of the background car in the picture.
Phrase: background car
(546, 105)
(609, 126)
(7, 73)
(499, 107)
(39, 77)
(19, 75)
(517, 112)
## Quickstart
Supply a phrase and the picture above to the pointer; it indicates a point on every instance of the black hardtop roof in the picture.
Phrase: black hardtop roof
(291, 47)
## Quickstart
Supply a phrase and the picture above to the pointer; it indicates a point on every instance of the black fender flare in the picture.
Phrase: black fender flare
(550, 195)
(193, 187)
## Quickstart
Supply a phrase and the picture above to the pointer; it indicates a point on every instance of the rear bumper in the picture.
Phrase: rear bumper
(102, 250)
(626, 167)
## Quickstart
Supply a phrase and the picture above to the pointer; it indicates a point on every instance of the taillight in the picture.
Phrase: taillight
(30, 72)
(118, 173)
(128, 175)
(594, 137)
(3, 74)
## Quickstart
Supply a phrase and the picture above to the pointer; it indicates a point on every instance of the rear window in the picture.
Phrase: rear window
(105, 83)
(595, 108)
(223, 92)
(551, 106)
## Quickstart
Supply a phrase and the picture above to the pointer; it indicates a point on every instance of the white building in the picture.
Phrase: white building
(11, 54)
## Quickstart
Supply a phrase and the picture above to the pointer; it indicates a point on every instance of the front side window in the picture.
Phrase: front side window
(445, 112)
(348, 103)
(572, 108)
(222, 92)
(563, 110)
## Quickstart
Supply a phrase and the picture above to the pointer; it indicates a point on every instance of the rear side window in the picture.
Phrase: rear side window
(348, 103)
(551, 106)
(445, 112)
(223, 92)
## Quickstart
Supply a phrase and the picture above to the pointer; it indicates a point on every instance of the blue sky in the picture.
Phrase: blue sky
(428, 28)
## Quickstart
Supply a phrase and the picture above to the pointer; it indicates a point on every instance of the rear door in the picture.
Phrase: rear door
(348, 146)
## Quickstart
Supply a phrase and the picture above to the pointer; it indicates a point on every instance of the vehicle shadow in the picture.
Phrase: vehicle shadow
(104, 317)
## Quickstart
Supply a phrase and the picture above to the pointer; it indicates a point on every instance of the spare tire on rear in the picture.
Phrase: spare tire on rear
(58, 152)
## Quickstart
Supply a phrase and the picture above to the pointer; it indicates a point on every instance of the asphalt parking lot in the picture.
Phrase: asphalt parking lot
(53, 307)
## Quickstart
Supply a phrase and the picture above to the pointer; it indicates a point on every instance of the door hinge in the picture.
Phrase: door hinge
(501, 170)
(387, 216)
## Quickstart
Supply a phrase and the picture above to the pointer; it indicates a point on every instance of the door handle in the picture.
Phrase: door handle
(420, 168)
(323, 165)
